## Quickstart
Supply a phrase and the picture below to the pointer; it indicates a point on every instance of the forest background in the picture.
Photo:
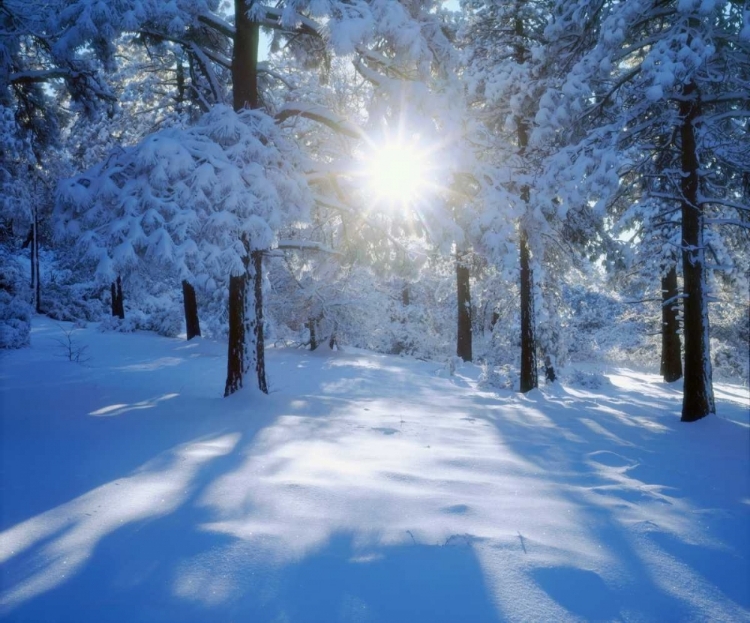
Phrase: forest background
(520, 184)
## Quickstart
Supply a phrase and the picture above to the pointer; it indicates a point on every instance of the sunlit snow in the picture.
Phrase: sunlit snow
(363, 488)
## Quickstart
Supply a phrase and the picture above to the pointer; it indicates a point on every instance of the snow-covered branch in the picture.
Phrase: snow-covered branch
(321, 115)
(305, 245)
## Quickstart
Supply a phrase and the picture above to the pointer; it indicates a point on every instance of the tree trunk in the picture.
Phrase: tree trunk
(313, 334)
(405, 298)
(236, 365)
(671, 357)
(698, 395)
(118, 307)
(549, 369)
(332, 340)
(120, 299)
(31, 241)
(192, 325)
(463, 291)
(36, 274)
(259, 333)
(529, 379)
(36, 261)
(245, 58)
(245, 323)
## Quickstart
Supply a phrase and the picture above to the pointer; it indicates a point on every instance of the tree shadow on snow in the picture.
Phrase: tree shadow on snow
(666, 500)
(407, 583)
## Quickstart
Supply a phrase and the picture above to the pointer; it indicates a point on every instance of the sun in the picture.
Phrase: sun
(397, 173)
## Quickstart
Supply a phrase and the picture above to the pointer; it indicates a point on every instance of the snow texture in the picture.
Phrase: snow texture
(363, 488)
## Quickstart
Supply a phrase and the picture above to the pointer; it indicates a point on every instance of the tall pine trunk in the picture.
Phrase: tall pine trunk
(192, 325)
(463, 292)
(671, 357)
(528, 342)
(245, 313)
(698, 395)
(257, 322)
(36, 281)
(236, 356)
(528, 379)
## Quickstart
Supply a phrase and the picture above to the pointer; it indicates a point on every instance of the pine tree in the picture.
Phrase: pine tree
(667, 82)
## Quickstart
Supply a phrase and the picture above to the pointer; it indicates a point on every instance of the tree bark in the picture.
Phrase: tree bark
(259, 333)
(313, 333)
(38, 293)
(698, 395)
(36, 274)
(549, 369)
(245, 58)
(529, 378)
(118, 306)
(32, 241)
(192, 325)
(236, 365)
(463, 291)
(671, 357)
(120, 299)
(244, 322)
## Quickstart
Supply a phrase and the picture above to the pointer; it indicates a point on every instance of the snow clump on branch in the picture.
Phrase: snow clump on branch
(186, 198)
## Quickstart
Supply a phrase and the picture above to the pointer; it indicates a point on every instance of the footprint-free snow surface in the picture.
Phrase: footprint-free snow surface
(363, 488)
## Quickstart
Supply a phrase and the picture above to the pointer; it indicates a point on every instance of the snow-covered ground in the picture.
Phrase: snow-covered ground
(363, 488)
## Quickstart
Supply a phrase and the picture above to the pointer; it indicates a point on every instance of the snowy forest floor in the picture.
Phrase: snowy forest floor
(363, 488)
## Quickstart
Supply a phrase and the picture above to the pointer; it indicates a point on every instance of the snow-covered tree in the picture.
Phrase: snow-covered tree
(190, 200)
(669, 80)
(515, 53)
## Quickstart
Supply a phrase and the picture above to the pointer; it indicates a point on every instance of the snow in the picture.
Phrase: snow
(365, 487)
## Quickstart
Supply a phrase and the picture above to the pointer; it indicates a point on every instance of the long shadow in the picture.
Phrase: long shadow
(619, 458)
(408, 583)
(397, 584)
(169, 568)
(64, 462)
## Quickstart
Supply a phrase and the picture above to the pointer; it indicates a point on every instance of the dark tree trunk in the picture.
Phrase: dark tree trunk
(332, 340)
(32, 241)
(245, 95)
(192, 325)
(671, 357)
(236, 364)
(113, 297)
(35, 272)
(245, 58)
(260, 339)
(529, 379)
(32, 263)
(549, 370)
(120, 299)
(32, 258)
(463, 291)
(313, 333)
(405, 299)
(698, 395)
(493, 320)
(118, 306)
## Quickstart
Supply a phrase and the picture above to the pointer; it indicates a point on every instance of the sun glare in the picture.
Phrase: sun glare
(397, 173)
